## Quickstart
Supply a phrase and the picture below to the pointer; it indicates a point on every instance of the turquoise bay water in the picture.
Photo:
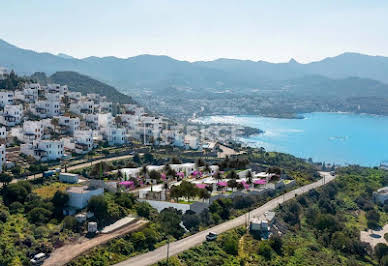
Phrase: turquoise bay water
(340, 138)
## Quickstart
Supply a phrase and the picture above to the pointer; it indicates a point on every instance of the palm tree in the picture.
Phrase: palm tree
(249, 177)
(207, 168)
(167, 167)
(217, 176)
(232, 184)
(90, 155)
(232, 175)
(144, 171)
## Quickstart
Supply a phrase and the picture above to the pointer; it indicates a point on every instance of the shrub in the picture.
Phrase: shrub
(265, 250)
(98, 206)
(121, 246)
(16, 207)
(143, 209)
(69, 223)
(381, 250)
(14, 192)
(191, 221)
(3, 216)
(230, 244)
(39, 216)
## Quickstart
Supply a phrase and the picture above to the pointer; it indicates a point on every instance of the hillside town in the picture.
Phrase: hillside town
(51, 122)
(193, 133)
(50, 125)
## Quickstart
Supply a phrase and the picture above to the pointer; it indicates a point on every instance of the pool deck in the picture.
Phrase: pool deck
(367, 236)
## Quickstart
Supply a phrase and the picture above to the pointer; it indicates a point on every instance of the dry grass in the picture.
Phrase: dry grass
(48, 192)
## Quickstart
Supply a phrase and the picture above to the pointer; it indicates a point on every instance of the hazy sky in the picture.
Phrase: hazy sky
(271, 30)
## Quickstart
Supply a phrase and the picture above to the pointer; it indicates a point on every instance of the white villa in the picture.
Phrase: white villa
(12, 115)
(80, 196)
(32, 130)
(44, 150)
(69, 124)
(83, 141)
(31, 92)
(50, 107)
(3, 133)
(191, 142)
(115, 136)
(6, 97)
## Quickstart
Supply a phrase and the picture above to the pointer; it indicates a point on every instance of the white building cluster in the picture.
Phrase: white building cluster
(52, 122)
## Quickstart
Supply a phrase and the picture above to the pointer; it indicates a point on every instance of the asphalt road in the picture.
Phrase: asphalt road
(196, 239)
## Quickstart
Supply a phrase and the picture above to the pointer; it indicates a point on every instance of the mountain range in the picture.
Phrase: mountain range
(349, 82)
(149, 71)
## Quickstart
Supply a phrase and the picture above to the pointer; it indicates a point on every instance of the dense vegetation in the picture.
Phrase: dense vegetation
(45, 212)
(84, 84)
(12, 81)
(322, 227)
(32, 220)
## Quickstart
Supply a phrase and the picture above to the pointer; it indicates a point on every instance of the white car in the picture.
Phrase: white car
(211, 236)
(38, 259)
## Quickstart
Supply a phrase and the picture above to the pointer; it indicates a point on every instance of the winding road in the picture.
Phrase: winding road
(196, 239)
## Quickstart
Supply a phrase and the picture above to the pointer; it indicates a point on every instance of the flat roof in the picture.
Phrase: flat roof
(79, 189)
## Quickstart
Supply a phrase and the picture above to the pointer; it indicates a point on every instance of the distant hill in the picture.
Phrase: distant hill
(155, 72)
(65, 56)
(348, 82)
(83, 84)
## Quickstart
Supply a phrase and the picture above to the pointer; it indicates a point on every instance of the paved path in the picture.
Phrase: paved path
(196, 239)
(65, 254)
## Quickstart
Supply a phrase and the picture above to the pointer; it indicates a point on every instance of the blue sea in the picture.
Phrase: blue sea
(340, 138)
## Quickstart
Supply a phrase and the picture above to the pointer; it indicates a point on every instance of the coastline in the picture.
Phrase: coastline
(344, 138)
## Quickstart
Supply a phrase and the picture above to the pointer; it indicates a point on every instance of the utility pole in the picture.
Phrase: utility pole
(144, 134)
(168, 249)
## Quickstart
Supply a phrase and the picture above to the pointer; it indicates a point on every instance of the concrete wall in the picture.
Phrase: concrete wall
(160, 205)
(196, 207)
(68, 178)
(110, 186)
(254, 192)
(80, 200)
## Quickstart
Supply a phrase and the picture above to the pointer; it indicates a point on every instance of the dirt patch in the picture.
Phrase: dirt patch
(65, 254)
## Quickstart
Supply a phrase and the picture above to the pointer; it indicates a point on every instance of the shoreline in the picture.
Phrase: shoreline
(272, 143)
(288, 116)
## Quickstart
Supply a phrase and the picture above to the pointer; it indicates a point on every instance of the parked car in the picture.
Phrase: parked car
(211, 236)
(48, 173)
(38, 259)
